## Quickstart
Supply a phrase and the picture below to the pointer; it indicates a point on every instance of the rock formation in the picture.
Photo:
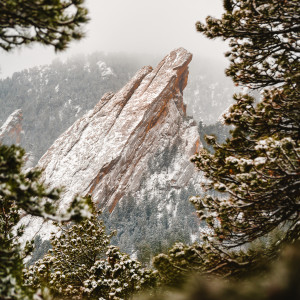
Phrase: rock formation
(11, 130)
(107, 152)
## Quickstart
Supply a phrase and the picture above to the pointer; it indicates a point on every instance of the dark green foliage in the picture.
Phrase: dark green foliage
(20, 194)
(264, 40)
(280, 282)
(256, 171)
(120, 277)
(259, 165)
(49, 22)
(176, 266)
(20, 191)
(228, 5)
(82, 265)
(11, 265)
(73, 253)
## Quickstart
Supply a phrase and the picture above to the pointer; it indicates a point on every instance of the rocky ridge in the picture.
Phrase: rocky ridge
(52, 97)
(11, 130)
(107, 152)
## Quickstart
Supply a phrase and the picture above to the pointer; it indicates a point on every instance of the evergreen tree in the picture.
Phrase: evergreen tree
(119, 277)
(281, 283)
(20, 194)
(49, 22)
(257, 169)
(82, 265)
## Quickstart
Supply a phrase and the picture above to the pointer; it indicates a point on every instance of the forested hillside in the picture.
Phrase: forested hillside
(52, 97)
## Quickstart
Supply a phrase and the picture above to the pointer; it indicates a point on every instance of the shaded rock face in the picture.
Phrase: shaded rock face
(107, 152)
(11, 130)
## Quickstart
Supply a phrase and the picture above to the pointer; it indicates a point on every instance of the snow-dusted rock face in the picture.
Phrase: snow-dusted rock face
(107, 152)
(11, 130)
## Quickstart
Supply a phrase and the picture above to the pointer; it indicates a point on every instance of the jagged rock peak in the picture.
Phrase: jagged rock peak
(106, 152)
(109, 137)
(10, 131)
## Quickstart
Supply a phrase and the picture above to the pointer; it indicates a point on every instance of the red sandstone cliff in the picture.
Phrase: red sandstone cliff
(106, 152)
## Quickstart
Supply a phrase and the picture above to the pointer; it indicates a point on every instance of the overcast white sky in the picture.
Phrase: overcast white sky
(139, 26)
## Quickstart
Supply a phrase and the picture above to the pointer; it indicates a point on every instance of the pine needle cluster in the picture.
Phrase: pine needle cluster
(83, 265)
(49, 22)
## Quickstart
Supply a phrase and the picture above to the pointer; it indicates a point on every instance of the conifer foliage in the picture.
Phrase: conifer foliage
(257, 170)
(83, 265)
(49, 22)
(259, 166)
(20, 194)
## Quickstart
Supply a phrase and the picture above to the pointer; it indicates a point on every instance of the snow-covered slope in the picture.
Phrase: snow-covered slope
(52, 97)
(136, 142)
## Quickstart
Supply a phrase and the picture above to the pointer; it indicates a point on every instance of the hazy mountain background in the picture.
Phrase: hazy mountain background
(53, 96)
